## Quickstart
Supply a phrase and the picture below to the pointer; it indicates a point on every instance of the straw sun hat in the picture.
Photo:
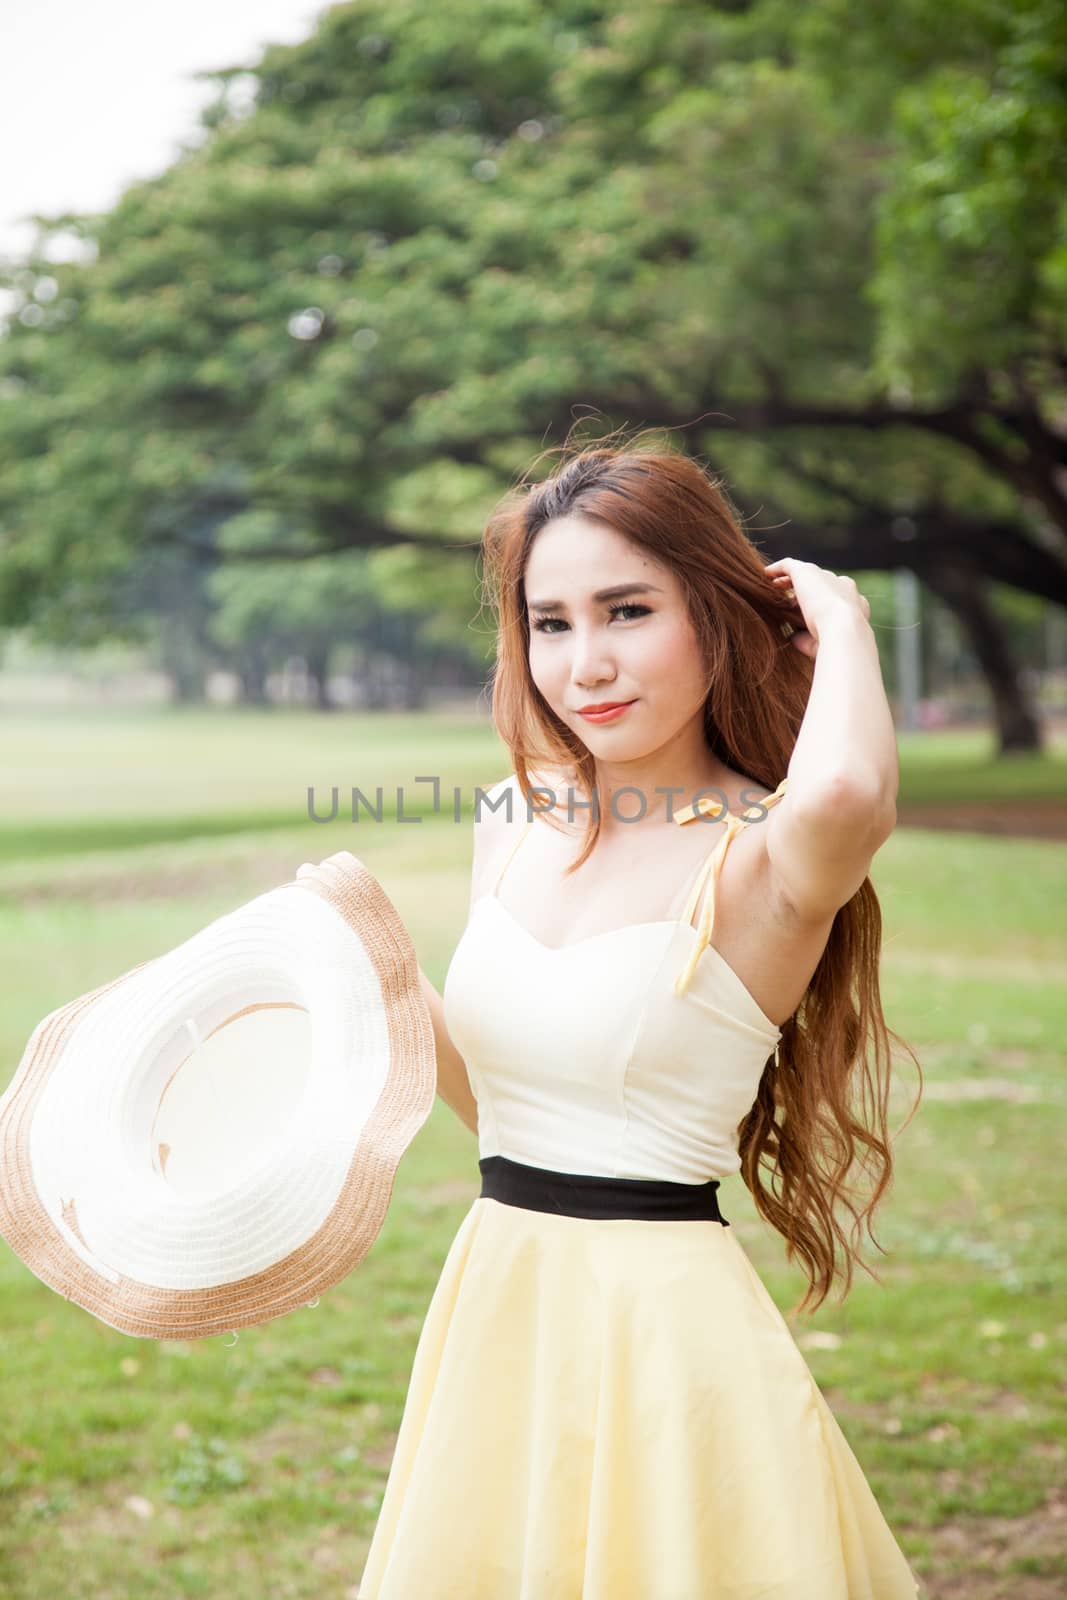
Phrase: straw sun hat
(210, 1140)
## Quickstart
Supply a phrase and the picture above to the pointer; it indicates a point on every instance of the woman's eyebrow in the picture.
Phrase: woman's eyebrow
(602, 594)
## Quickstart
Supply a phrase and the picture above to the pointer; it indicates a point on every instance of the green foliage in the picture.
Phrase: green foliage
(972, 225)
(354, 309)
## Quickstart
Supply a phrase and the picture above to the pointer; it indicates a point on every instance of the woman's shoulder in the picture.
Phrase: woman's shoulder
(500, 815)
(548, 786)
(739, 790)
(500, 803)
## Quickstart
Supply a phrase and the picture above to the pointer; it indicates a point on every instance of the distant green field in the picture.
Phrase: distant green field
(255, 1467)
(965, 766)
(75, 783)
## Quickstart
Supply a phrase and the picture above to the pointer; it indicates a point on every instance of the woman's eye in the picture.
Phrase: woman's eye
(642, 611)
(544, 624)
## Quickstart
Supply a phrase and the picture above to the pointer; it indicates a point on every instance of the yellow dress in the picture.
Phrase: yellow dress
(605, 1401)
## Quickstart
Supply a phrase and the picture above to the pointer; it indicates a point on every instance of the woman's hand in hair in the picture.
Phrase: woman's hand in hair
(817, 594)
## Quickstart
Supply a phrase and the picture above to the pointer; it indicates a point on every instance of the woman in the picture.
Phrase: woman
(605, 1402)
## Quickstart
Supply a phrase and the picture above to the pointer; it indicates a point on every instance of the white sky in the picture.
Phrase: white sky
(98, 94)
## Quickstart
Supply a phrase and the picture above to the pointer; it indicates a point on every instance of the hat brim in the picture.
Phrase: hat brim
(84, 1199)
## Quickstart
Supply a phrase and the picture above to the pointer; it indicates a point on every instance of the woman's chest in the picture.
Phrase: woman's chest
(507, 993)
(636, 878)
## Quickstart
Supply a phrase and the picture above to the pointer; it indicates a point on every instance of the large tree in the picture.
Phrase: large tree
(829, 246)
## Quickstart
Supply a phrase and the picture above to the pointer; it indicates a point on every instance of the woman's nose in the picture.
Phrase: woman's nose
(591, 663)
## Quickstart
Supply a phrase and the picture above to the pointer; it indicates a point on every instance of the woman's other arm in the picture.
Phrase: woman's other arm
(453, 1084)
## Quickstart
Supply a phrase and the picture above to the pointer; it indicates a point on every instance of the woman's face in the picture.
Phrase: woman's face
(637, 646)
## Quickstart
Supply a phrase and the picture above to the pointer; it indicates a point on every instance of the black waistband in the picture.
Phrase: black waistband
(577, 1194)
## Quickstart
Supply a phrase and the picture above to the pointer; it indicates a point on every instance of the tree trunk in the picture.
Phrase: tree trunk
(187, 685)
(414, 693)
(965, 592)
(318, 665)
(251, 667)
(181, 658)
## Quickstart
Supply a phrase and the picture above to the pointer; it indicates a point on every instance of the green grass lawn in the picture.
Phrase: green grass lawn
(255, 1467)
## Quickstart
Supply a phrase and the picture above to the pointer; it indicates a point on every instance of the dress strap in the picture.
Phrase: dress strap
(511, 852)
(710, 870)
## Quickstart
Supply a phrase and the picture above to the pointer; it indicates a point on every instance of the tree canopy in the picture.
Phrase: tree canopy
(827, 242)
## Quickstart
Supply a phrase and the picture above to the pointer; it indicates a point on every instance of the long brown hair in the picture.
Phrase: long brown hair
(834, 1052)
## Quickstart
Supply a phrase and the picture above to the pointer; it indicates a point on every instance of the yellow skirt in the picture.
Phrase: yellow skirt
(615, 1409)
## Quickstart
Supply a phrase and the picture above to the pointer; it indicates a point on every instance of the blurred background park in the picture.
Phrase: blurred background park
(254, 413)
